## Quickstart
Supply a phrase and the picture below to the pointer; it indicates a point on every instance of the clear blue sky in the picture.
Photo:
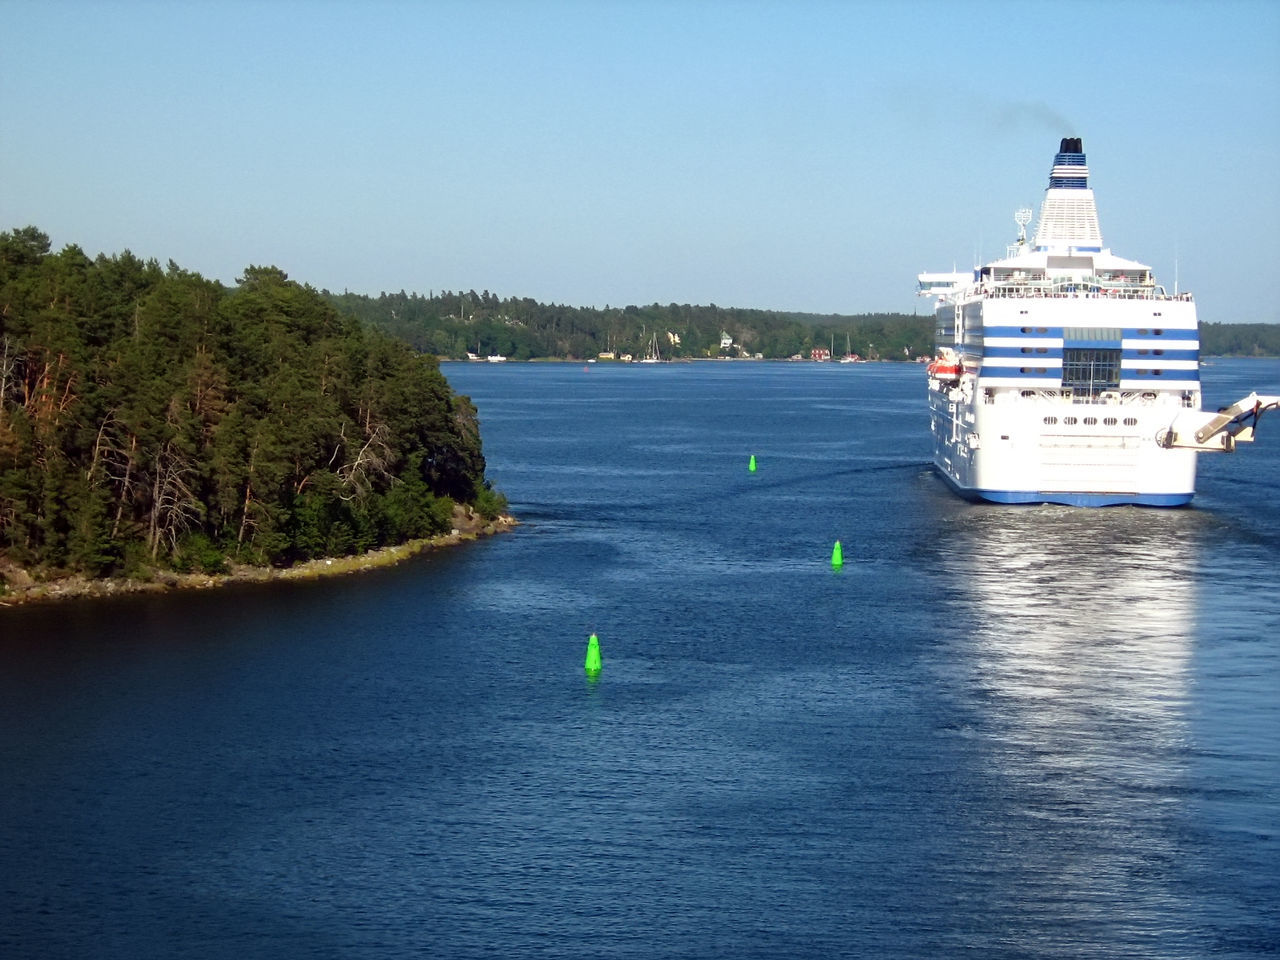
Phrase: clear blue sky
(790, 155)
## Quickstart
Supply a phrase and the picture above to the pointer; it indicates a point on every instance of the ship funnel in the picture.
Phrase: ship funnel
(1068, 215)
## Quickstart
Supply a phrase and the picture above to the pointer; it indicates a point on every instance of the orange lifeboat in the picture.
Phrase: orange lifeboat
(946, 367)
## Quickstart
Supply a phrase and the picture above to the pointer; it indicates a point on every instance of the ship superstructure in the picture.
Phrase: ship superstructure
(1065, 373)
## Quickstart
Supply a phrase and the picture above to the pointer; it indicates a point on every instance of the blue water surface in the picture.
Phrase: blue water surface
(994, 732)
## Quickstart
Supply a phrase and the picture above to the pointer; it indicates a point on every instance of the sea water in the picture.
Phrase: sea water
(993, 732)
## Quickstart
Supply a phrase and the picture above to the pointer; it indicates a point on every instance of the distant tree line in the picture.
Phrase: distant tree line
(150, 417)
(452, 325)
(1240, 339)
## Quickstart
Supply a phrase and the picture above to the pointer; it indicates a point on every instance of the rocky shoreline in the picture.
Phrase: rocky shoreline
(21, 588)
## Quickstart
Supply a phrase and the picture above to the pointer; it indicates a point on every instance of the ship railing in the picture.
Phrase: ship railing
(1030, 289)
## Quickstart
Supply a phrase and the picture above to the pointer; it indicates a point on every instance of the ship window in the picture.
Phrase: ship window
(1042, 349)
(1092, 334)
(1026, 349)
(1041, 330)
(1157, 314)
(1157, 373)
(1069, 421)
(1158, 333)
(1026, 329)
(1158, 353)
(1050, 421)
(1109, 421)
(1143, 332)
(1090, 421)
(1143, 352)
(1090, 370)
(1028, 393)
(1130, 421)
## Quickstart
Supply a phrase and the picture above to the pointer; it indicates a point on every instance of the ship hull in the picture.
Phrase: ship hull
(1065, 497)
(1008, 430)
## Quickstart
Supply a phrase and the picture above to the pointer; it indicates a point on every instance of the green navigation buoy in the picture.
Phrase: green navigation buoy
(751, 464)
(837, 557)
(592, 663)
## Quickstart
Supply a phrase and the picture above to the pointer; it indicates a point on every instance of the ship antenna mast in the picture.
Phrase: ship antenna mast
(1022, 216)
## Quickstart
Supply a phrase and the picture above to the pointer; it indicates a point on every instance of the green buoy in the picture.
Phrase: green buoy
(837, 557)
(751, 465)
(592, 663)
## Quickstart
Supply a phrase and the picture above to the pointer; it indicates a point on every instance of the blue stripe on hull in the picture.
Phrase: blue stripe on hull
(1069, 499)
(1033, 354)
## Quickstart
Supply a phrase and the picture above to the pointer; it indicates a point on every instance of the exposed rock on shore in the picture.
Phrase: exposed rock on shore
(21, 587)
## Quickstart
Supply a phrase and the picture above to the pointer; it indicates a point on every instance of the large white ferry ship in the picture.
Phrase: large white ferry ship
(1064, 374)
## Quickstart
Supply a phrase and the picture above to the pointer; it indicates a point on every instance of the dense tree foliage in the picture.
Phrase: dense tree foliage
(149, 416)
(453, 324)
(1240, 339)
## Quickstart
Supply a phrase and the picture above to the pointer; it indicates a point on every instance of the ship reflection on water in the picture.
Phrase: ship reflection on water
(1071, 654)
(1077, 619)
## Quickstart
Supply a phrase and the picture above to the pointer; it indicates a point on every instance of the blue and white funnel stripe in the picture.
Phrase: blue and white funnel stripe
(1070, 172)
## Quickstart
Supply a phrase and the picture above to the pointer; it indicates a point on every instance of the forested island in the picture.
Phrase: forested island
(453, 325)
(151, 419)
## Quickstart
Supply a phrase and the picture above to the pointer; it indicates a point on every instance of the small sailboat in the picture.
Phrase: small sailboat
(849, 355)
(653, 356)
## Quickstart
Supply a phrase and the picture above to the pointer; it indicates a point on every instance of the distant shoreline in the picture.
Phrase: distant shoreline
(596, 361)
(803, 360)
(23, 590)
